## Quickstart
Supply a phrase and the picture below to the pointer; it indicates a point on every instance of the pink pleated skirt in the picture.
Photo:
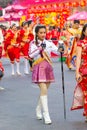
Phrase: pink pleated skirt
(42, 72)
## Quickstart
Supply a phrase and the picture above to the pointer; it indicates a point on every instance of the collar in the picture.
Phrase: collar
(40, 42)
(85, 38)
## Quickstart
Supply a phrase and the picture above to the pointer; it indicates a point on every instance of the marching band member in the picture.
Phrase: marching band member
(1, 73)
(1, 66)
(30, 37)
(24, 37)
(42, 74)
(48, 33)
(1, 41)
(71, 57)
(12, 47)
(54, 35)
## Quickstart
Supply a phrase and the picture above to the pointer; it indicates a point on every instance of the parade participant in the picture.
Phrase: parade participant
(65, 36)
(31, 37)
(1, 73)
(12, 47)
(1, 66)
(1, 42)
(71, 56)
(48, 33)
(54, 35)
(42, 73)
(80, 95)
(24, 39)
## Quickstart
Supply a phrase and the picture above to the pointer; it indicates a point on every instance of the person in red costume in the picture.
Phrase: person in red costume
(48, 33)
(54, 35)
(24, 38)
(1, 41)
(1, 73)
(12, 47)
(1, 66)
(31, 37)
(80, 93)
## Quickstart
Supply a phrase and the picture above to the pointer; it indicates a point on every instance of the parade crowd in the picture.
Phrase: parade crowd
(35, 42)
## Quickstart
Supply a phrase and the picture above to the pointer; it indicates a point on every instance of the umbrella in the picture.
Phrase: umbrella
(72, 17)
(78, 16)
(7, 17)
(16, 17)
(82, 15)
(9, 8)
(19, 8)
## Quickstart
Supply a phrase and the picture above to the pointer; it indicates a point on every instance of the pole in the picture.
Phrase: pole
(63, 88)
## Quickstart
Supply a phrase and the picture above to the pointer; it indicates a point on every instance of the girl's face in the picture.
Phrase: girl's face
(25, 26)
(14, 28)
(41, 34)
(85, 33)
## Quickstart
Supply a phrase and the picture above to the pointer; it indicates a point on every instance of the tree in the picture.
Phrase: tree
(4, 3)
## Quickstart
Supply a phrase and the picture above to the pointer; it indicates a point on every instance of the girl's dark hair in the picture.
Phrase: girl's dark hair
(76, 21)
(29, 22)
(13, 25)
(39, 26)
(82, 33)
(24, 23)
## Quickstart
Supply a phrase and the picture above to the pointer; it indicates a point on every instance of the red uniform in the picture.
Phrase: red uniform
(48, 35)
(24, 38)
(1, 67)
(11, 46)
(0, 52)
(54, 36)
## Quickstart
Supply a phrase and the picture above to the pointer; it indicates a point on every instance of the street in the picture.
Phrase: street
(19, 99)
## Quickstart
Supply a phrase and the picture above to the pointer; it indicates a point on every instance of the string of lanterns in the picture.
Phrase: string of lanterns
(53, 14)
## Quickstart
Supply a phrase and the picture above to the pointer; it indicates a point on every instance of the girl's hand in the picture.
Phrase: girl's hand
(78, 77)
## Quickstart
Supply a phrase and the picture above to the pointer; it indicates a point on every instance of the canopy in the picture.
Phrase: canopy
(12, 16)
(17, 7)
(42, 1)
(78, 16)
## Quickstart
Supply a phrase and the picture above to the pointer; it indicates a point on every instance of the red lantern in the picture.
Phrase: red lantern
(60, 5)
(75, 4)
(68, 4)
(82, 3)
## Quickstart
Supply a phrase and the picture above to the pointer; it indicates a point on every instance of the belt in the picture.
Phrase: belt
(39, 60)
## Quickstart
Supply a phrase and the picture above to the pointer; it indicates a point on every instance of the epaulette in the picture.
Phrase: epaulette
(32, 42)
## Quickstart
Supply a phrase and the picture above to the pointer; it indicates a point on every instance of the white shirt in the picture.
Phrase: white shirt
(34, 51)
(1, 36)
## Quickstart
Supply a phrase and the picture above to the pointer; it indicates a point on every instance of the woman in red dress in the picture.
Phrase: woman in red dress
(80, 94)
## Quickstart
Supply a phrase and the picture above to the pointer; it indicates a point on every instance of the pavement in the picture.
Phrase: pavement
(19, 98)
(6, 61)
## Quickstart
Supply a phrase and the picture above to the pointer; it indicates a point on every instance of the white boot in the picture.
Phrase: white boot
(38, 110)
(44, 104)
(18, 71)
(26, 68)
(12, 66)
(86, 119)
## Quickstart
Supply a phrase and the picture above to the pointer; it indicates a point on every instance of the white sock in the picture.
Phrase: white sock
(12, 66)
(18, 66)
(26, 68)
